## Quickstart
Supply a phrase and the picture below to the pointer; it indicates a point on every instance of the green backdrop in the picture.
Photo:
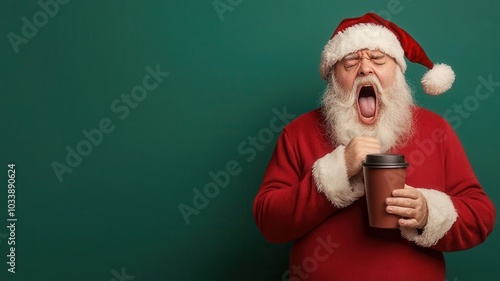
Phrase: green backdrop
(117, 113)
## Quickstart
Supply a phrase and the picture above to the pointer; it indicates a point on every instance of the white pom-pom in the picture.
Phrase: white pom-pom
(438, 79)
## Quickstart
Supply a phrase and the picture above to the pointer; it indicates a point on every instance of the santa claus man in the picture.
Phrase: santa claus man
(313, 189)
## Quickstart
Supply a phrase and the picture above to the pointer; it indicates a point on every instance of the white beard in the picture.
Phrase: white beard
(394, 124)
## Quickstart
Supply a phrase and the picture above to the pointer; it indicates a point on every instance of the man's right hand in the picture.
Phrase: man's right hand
(355, 153)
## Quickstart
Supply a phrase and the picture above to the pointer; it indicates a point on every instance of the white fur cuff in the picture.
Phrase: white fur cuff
(441, 216)
(330, 174)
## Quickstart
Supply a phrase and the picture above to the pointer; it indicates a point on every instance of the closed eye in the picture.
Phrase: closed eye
(378, 59)
(351, 62)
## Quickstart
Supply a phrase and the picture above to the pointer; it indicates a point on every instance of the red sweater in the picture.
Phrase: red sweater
(337, 243)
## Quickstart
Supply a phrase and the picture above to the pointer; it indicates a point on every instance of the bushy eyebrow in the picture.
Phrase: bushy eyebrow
(351, 56)
(377, 53)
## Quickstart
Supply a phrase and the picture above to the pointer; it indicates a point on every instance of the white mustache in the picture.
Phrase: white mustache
(371, 79)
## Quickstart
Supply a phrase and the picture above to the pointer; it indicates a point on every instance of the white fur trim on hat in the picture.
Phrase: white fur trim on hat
(330, 174)
(358, 37)
(438, 79)
(441, 217)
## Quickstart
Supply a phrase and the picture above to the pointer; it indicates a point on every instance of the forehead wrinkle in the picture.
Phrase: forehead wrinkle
(358, 54)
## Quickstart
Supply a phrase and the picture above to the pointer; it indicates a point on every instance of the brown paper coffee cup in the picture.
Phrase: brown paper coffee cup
(382, 174)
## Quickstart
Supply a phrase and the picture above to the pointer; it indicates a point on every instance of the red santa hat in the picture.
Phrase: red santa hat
(373, 32)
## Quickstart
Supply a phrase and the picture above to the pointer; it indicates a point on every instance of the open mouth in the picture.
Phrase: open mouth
(367, 104)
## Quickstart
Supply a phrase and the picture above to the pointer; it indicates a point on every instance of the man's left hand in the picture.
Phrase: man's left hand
(410, 204)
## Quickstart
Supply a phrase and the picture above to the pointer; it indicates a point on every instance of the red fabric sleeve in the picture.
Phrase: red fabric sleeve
(288, 204)
(476, 213)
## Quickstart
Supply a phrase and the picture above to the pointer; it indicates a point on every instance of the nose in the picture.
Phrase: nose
(365, 67)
